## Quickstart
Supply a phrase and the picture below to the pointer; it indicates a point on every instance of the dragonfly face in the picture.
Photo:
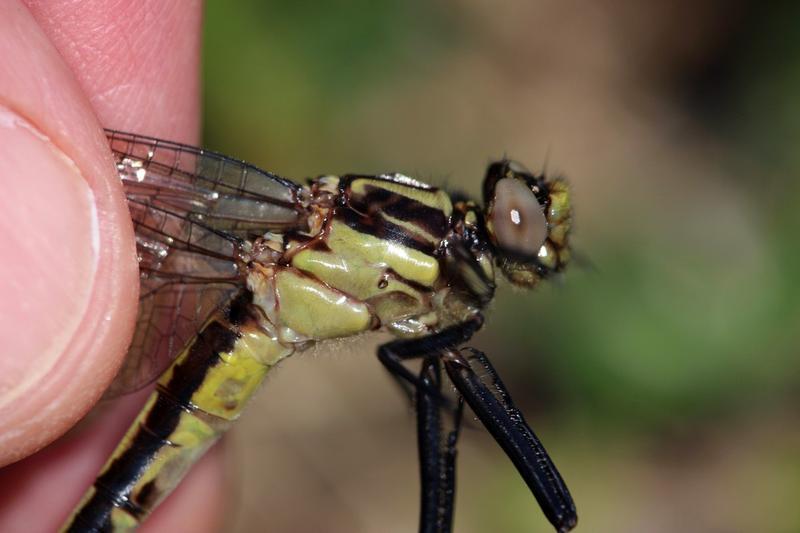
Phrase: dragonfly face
(528, 220)
(241, 269)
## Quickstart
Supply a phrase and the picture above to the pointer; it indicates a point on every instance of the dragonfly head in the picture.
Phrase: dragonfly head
(528, 219)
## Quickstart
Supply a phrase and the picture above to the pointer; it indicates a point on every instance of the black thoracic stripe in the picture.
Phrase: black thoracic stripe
(381, 229)
(114, 485)
(461, 264)
(379, 200)
(431, 220)
(417, 286)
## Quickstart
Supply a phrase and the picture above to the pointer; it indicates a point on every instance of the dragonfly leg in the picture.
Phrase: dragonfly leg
(437, 456)
(492, 404)
(393, 354)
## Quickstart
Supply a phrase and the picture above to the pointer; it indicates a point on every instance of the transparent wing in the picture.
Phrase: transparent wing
(194, 214)
(224, 193)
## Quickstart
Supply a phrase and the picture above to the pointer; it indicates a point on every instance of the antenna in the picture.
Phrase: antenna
(547, 158)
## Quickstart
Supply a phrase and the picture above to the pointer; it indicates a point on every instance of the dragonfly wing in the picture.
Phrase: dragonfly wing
(225, 193)
(168, 318)
(194, 214)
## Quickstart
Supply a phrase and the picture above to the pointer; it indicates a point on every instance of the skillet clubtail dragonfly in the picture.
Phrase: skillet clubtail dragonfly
(241, 268)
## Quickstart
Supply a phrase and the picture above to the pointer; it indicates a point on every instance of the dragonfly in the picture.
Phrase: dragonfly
(241, 268)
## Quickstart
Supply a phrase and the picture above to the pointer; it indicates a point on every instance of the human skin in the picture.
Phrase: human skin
(68, 275)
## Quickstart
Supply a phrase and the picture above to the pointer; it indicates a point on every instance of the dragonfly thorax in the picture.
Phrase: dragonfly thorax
(383, 252)
(394, 253)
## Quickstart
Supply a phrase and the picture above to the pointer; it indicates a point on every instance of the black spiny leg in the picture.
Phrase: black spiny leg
(437, 456)
(505, 422)
(493, 406)
(392, 354)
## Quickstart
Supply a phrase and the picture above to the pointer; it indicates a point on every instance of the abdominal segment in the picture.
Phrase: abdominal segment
(193, 404)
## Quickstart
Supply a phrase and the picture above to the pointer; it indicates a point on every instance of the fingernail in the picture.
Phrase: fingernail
(48, 253)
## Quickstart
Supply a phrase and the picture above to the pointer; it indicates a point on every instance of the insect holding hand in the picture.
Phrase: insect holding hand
(241, 268)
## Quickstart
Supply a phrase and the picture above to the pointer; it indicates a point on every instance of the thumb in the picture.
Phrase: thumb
(67, 269)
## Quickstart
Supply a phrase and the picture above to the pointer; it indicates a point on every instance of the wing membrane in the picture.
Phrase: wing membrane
(224, 192)
(194, 213)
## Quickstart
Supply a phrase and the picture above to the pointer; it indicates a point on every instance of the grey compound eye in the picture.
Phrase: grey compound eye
(518, 220)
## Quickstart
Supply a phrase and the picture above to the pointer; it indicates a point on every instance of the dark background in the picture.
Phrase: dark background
(663, 379)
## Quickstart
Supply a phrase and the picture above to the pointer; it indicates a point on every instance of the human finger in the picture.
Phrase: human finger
(68, 270)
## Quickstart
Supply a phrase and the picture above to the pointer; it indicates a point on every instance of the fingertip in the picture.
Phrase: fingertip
(138, 62)
(68, 274)
(49, 242)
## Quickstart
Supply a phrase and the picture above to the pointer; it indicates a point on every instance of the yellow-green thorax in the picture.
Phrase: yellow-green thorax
(375, 260)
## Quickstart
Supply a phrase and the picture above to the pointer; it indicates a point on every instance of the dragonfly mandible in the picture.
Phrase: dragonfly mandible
(241, 268)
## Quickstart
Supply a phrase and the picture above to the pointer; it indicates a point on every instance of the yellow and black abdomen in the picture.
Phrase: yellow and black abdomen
(193, 404)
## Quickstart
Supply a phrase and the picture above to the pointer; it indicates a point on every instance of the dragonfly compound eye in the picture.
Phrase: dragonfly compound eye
(528, 219)
(517, 219)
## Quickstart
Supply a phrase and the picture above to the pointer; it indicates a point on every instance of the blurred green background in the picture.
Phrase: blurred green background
(662, 373)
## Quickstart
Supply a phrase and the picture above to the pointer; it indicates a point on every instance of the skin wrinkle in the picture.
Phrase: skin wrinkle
(147, 67)
(110, 94)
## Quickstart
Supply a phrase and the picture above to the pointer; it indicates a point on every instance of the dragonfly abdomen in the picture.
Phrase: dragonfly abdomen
(193, 404)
